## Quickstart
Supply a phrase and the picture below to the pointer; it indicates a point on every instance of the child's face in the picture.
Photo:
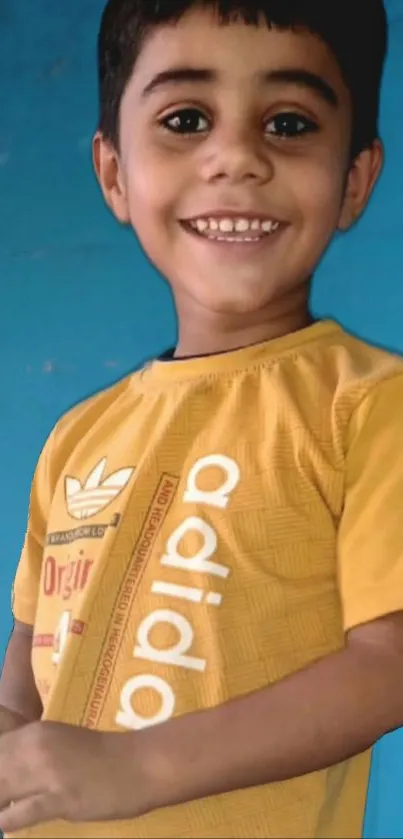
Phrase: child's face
(259, 130)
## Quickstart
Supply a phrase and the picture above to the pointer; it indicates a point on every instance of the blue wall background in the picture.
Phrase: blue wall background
(79, 304)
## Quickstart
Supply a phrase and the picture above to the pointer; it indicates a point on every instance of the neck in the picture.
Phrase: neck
(204, 333)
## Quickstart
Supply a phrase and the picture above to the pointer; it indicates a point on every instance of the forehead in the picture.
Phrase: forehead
(237, 52)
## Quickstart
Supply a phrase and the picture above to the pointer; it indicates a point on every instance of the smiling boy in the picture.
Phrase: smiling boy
(209, 601)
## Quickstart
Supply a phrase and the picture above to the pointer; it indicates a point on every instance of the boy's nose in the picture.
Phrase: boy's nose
(239, 157)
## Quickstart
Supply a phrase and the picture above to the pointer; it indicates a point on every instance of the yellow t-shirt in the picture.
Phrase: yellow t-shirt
(205, 528)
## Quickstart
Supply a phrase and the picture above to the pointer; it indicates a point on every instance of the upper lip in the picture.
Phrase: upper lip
(233, 214)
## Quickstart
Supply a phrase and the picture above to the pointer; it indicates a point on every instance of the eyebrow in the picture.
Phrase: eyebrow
(286, 76)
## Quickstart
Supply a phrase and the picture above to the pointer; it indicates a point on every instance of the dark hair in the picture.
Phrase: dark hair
(354, 30)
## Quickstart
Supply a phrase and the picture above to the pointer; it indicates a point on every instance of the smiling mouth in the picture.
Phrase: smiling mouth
(239, 230)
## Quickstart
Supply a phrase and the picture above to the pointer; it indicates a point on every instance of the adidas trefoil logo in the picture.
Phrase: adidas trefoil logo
(85, 501)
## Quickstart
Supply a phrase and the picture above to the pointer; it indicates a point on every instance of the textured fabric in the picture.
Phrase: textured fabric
(205, 528)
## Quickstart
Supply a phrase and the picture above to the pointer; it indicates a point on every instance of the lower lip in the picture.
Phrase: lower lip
(239, 247)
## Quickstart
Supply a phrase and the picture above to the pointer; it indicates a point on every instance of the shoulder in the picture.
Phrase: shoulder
(354, 371)
(363, 365)
(100, 406)
(102, 410)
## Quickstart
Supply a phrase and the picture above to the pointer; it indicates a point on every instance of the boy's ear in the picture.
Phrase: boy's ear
(361, 180)
(108, 171)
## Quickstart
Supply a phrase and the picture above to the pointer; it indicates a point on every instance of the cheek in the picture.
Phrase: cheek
(154, 191)
(319, 191)
(153, 187)
(317, 194)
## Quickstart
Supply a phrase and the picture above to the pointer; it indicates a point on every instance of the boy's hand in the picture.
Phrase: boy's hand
(52, 771)
(318, 717)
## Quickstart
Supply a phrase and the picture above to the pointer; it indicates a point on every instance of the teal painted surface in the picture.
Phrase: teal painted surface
(80, 306)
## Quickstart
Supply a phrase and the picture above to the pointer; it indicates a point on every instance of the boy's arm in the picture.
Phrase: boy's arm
(19, 699)
(313, 719)
(20, 702)
(318, 717)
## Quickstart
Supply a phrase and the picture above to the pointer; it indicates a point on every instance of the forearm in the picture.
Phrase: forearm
(20, 702)
(316, 718)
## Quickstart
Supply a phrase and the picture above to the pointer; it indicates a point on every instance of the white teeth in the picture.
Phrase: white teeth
(212, 227)
(234, 238)
(226, 225)
(242, 225)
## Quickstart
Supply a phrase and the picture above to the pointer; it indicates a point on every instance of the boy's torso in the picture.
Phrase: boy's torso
(191, 558)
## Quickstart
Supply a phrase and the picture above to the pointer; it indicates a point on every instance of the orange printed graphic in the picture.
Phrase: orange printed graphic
(138, 561)
(65, 580)
(47, 640)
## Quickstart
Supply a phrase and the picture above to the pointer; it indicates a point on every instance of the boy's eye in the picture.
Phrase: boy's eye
(186, 121)
(290, 125)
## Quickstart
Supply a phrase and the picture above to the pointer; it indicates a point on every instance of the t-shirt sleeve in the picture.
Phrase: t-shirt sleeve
(26, 583)
(370, 539)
